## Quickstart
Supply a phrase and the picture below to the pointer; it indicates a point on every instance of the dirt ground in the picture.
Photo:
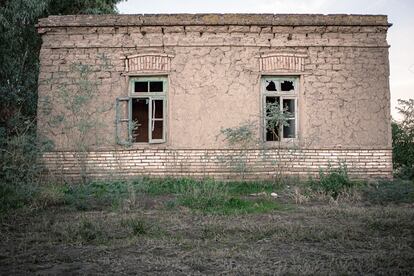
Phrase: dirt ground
(156, 237)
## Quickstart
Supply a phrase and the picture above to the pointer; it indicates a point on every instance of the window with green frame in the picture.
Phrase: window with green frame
(141, 116)
(283, 92)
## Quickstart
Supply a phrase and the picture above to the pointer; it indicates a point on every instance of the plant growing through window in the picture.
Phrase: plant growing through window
(280, 108)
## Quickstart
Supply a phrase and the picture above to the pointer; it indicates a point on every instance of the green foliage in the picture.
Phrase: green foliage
(61, 7)
(19, 48)
(403, 141)
(95, 195)
(203, 195)
(241, 137)
(215, 197)
(79, 118)
(253, 187)
(20, 146)
(276, 118)
(333, 182)
(207, 196)
(385, 192)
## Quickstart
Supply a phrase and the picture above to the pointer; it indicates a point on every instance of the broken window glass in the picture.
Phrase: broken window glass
(156, 86)
(270, 100)
(272, 132)
(289, 130)
(271, 86)
(280, 92)
(141, 86)
(289, 106)
(287, 86)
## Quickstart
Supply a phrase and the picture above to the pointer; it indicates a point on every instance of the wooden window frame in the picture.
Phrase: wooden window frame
(283, 95)
(151, 96)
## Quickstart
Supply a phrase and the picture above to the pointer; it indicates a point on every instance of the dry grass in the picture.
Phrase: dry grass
(155, 234)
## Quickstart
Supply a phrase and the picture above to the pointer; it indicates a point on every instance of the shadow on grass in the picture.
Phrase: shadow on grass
(385, 192)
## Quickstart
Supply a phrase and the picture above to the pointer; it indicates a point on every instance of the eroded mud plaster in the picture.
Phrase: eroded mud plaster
(215, 70)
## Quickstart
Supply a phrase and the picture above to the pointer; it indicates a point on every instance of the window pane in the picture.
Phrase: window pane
(272, 128)
(289, 131)
(287, 86)
(140, 118)
(156, 86)
(270, 100)
(270, 86)
(141, 86)
(272, 135)
(289, 106)
(272, 105)
(157, 129)
(158, 109)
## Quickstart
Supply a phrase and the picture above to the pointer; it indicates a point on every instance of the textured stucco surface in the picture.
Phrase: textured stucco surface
(214, 79)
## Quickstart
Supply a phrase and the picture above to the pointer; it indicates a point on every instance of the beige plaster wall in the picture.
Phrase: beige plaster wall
(214, 81)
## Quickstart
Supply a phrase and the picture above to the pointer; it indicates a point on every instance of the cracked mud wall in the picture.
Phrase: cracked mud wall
(214, 81)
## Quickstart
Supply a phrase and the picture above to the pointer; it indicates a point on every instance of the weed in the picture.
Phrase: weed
(245, 188)
(88, 231)
(385, 192)
(171, 204)
(49, 195)
(333, 182)
(83, 231)
(137, 226)
(96, 195)
(203, 195)
(214, 197)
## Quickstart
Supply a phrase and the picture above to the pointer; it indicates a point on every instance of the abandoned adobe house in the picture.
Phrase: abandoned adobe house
(172, 83)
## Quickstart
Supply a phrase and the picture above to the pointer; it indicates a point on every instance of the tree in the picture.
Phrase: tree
(19, 68)
(19, 50)
(403, 140)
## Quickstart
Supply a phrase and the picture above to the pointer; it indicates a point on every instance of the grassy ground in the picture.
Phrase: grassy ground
(189, 227)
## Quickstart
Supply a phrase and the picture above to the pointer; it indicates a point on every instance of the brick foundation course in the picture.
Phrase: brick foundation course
(218, 164)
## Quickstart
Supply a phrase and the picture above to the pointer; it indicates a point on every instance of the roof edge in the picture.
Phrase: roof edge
(213, 19)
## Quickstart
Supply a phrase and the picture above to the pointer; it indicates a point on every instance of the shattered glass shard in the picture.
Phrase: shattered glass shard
(271, 86)
(287, 86)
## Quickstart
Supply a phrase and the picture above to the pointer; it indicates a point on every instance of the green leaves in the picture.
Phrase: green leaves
(276, 117)
(403, 140)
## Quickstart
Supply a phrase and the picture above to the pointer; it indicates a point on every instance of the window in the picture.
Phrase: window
(141, 117)
(280, 96)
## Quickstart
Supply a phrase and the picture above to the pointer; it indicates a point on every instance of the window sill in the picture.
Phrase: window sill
(287, 143)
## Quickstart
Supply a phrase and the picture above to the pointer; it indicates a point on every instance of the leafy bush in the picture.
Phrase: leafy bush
(333, 182)
(403, 141)
(20, 171)
(241, 137)
(20, 145)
